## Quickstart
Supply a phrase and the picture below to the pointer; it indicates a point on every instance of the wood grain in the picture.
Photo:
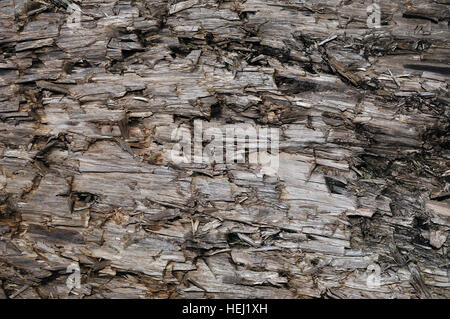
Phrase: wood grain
(87, 113)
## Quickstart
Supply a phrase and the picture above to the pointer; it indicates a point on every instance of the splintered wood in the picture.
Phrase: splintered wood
(90, 98)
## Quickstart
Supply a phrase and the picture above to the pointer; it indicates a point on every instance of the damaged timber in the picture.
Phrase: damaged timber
(87, 110)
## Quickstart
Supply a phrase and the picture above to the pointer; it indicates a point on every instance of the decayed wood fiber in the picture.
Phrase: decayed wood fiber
(86, 116)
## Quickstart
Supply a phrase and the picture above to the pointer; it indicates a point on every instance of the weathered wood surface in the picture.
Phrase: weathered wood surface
(86, 116)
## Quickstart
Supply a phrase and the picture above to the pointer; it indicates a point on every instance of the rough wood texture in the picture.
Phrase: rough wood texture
(86, 116)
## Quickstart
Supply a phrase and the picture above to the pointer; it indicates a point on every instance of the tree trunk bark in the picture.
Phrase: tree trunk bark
(93, 95)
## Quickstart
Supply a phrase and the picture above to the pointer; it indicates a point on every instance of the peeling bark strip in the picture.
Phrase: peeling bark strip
(359, 205)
